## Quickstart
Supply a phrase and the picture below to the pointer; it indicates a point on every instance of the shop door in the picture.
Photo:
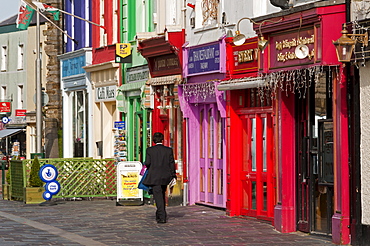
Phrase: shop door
(314, 143)
(304, 167)
(211, 157)
(258, 175)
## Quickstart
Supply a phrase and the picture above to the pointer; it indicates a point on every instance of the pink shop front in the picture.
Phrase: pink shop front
(203, 108)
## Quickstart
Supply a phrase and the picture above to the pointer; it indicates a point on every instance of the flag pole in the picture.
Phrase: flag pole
(78, 17)
(38, 88)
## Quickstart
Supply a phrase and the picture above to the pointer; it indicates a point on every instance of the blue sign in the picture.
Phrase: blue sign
(120, 125)
(53, 187)
(204, 59)
(73, 66)
(48, 173)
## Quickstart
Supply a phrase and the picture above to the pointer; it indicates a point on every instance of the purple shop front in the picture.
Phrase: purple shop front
(204, 110)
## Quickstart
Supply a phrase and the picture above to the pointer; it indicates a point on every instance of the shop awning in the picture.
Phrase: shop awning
(242, 83)
(166, 80)
(9, 132)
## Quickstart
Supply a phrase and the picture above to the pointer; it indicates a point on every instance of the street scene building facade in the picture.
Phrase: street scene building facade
(266, 115)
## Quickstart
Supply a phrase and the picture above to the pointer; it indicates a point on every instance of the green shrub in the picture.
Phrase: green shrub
(7, 178)
(35, 180)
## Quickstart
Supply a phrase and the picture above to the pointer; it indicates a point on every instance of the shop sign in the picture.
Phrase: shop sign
(204, 59)
(5, 107)
(165, 65)
(20, 112)
(106, 93)
(245, 57)
(137, 74)
(120, 125)
(292, 49)
(73, 66)
(123, 53)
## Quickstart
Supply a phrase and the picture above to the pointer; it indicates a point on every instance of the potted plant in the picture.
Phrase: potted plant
(33, 191)
(6, 186)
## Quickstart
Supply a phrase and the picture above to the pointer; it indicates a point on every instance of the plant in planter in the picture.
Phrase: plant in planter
(33, 193)
(6, 186)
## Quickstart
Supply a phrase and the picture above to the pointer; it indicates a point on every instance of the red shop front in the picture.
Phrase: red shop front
(250, 135)
(303, 77)
(164, 56)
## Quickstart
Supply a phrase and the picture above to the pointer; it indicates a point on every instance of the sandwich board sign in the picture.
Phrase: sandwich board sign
(128, 177)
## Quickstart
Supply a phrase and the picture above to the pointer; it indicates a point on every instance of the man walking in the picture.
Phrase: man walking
(161, 170)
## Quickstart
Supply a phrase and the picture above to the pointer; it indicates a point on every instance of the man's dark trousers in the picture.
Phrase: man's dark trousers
(159, 194)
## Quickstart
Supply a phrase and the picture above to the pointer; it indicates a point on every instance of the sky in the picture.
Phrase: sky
(8, 8)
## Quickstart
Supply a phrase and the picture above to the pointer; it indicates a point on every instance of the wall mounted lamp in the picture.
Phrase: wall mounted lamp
(346, 44)
(239, 38)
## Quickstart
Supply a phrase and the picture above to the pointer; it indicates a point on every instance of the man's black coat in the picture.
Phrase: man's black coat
(161, 165)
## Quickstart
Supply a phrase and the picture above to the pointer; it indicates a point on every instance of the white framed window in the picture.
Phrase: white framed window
(20, 97)
(20, 57)
(4, 57)
(3, 92)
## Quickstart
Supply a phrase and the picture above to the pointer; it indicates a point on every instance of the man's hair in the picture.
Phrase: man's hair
(158, 137)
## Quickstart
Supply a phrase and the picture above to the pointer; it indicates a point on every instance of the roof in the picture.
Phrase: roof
(12, 20)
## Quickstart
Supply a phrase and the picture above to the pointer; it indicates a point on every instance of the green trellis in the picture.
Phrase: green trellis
(78, 177)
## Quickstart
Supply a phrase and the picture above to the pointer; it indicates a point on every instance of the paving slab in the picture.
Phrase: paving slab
(101, 222)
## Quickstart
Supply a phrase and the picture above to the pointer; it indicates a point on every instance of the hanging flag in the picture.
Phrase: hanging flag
(25, 15)
(44, 7)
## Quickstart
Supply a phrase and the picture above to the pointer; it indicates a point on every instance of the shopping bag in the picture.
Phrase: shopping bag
(141, 185)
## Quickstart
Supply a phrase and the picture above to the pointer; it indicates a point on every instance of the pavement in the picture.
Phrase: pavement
(101, 222)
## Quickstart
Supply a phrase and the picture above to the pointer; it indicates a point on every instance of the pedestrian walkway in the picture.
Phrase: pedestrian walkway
(101, 222)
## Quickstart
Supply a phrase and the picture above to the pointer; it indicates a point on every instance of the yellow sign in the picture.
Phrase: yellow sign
(130, 181)
(123, 49)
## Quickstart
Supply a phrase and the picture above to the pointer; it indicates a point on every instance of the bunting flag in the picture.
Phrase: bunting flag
(25, 15)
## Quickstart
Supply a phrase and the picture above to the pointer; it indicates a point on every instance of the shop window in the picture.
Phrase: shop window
(210, 178)
(210, 10)
(20, 57)
(220, 127)
(4, 58)
(201, 180)
(3, 92)
(20, 97)
(220, 179)
(201, 137)
(210, 134)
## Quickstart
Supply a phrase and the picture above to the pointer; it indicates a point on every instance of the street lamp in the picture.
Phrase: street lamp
(346, 44)
(240, 38)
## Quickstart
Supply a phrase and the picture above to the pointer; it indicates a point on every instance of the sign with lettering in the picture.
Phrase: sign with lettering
(106, 93)
(137, 74)
(20, 112)
(123, 53)
(283, 49)
(204, 59)
(73, 66)
(5, 107)
(245, 57)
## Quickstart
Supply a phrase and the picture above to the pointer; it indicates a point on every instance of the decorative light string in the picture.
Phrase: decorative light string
(199, 91)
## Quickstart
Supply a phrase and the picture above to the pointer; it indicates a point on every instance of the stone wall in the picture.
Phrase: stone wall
(53, 111)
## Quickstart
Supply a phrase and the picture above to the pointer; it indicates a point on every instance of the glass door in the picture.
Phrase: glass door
(258, 198)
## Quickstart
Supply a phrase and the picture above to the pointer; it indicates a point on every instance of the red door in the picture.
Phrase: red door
(258, 174)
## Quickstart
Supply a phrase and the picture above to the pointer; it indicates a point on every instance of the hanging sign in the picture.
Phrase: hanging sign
(123, 53)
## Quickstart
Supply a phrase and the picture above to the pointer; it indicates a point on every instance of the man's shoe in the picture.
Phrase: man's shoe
(161, 221)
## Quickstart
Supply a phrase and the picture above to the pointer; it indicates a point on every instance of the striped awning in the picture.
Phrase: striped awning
(165, 80)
